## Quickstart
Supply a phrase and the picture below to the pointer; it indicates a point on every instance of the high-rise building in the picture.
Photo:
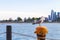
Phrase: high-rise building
(58, 14)
(49, 17)
(53, 15)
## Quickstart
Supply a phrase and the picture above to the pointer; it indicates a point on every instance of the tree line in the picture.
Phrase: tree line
(19, 19)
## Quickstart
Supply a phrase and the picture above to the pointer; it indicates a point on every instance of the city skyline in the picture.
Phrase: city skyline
(54, 16)
(27, 8)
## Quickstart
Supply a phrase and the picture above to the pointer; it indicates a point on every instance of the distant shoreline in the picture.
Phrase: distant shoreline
(28, 22)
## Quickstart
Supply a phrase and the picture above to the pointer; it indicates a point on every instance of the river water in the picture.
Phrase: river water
(28, 29)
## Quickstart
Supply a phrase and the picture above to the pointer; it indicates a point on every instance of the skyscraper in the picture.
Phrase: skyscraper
(58, 14)
(49, 17)
(53, 15)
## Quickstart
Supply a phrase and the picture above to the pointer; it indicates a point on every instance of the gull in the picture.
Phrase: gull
(39, 21)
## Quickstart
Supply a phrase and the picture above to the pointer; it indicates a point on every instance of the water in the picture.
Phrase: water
(28, 29)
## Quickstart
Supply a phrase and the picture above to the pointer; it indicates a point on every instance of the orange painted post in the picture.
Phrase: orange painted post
(8, 32)
(41, 32)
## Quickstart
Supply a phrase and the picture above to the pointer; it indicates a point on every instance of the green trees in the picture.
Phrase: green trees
(30, 19)
(19, 19)
(26, 20)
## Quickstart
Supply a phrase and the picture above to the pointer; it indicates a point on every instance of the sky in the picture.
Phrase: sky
(27, 8)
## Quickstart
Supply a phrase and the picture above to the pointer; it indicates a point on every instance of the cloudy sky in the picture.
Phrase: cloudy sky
(27, 8)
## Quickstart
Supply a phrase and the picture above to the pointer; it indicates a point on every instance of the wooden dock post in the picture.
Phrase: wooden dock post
(8, 32)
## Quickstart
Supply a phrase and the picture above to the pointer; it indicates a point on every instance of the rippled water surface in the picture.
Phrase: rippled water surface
(28, 29)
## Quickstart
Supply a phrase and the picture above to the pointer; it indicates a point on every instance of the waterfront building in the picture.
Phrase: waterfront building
(49, 17)
(58, 14)
(53, 15)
